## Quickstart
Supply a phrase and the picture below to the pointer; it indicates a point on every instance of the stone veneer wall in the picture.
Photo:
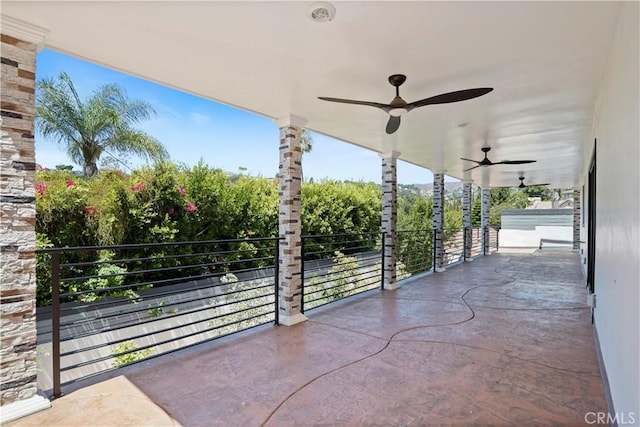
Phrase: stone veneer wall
(466, 218)
(438, 219)
(485, 211)
(576, 219)
(17, 222)
(290, 225)
(389, 217)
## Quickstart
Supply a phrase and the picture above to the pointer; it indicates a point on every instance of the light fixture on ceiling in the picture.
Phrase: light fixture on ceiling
(321, 11)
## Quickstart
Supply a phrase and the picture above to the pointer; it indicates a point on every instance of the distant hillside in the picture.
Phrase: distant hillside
(452, 190)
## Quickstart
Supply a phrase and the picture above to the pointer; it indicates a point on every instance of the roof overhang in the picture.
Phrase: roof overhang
(546, 61)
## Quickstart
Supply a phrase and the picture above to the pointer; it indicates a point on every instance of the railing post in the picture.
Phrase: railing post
(485, 240)
(497, 239)
(276, 281)
(302, 274)
(464, 244)
(384, 235)
(55, 323)
(433, 244)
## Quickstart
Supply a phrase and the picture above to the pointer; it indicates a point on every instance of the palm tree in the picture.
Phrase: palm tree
(102, 123)
(306, 141)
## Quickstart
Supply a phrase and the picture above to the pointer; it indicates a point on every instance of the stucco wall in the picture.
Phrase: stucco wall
(531, 238)
(617, 266)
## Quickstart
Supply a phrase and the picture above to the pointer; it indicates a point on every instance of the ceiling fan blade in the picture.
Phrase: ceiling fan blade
(466, 170)
(514, 162)
(393, 124)
(470, 160)
(446, 98)
(384, 107)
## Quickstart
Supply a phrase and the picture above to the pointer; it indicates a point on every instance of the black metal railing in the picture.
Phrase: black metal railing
(336, 266)
(494, 239)
(454, 248)
(414, 252)
(110, 306)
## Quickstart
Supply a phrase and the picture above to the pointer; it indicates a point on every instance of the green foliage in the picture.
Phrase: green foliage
(43, 270)
(332, 207)
(501, 198)
(130, 354)
(345, 278)
(476, 210)
(108, 276)
(416, 214)
(505, 200)
(102, 123)
(167, 202)
(538, 191)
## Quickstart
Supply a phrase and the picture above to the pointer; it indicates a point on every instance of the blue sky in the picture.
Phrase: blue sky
(192, 128)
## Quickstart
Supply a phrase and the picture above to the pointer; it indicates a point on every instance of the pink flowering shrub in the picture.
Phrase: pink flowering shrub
(191, 207)
(41, 187)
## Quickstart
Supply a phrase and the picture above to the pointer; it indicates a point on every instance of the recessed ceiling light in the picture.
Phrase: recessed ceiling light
(321, 11)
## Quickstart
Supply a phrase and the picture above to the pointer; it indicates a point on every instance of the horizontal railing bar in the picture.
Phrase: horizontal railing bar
(334, 279)
(153, 356)
(373, 257)
(342, 242)
(153, 319)
(334, 300)
(187, 278)
(367, 275)
(159, 331)
(155, 258)
(112, 356)
(367, 233)
(162, 269)
(345, 251)
(153, 245)
(157, 294)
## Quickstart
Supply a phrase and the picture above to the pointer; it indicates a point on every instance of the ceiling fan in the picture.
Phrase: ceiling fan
(487, 162)
(398, 106)
(523, 185)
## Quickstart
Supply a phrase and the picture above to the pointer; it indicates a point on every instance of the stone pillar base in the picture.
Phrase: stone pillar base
(292, 320)
(468, 260)
(391, 286)
(22, 408)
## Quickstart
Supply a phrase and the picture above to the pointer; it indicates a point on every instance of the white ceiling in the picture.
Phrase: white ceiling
(546, 61)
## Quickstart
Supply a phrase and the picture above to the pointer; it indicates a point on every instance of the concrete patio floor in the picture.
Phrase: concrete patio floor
(503, 340)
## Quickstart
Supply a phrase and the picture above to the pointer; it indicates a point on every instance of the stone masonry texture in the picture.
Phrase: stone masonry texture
(576, 219)
(485, 211)
(438, 218)
(389, 217)
(17, 221)
(290, 222)
(466, 218)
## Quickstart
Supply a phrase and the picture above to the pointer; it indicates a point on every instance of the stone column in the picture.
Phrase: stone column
(389, 217)
(18, 370)
(576, 219)
(290, 220)
(485, 210)
(466, 219)
(438, 221)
